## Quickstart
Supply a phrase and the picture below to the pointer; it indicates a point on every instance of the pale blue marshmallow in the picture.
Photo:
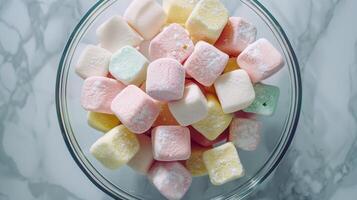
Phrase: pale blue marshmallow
(129, 66)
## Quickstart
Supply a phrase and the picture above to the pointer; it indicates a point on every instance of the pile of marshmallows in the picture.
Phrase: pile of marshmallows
(163, 77)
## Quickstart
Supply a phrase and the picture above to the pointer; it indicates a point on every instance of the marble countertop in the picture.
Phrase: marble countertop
(34, 161)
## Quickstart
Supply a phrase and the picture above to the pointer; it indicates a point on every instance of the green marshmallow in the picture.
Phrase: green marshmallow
(266, 99)
(129, 66)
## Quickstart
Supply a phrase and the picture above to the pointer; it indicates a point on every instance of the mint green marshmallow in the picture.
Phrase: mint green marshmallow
(129, 66)
(266, 99)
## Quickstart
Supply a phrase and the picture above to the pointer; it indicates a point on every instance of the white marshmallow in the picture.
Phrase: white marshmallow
(191, 108)
(116, 33)
(234, 90)
(146, 17)
(94, 61)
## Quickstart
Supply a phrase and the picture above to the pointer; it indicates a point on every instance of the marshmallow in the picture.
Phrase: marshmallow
(223, 164)
(244, 133)
(215, 122)
(94, 61)
(231, 65)
(171, 179)
(116, 33)
(143, 159)
(178, 10)
(206, 63)
(173, 42)
(144, 48)
(116, 147)
(98, 93)
(261, 60)
(165, 117)
(235, 91)
(195, 164)
(198, 138)
(135, 109)
(266, 99)
(165, 80)
(171, 143)
(146, 17)
(207, 20)
(191, 108)
(129, 66)
(236, 36)
(102, 122)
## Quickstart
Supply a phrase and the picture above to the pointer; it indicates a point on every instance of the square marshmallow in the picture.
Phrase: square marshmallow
(171, 179)
(266, 99)
(207, 20)
(245, 133)
(216, 121)
(191, 108)
(206, 63)
(116, 147)
(235, 91)
(165, 80)
(173, 42)
(94, 61)
(102, 122)
(261, 60)
(135, 109)
(98, 93)
(129, 66)
(115, 33)
(142, 160)
(236, 36)
(178, 11)
(223, 164)
(146, 17)
(171, 143)
(195, 164)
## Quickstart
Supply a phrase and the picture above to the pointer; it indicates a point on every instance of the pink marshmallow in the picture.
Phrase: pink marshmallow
(245, 133)
(144, 158)
(173, 42)
(261, 60)
(206, 63)
(165, 80)
(98, 93)
(172, 179)
(135, 109)
(171, 143)
(236, 36)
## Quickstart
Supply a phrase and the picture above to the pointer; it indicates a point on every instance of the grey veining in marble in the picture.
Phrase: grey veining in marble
(321, 163)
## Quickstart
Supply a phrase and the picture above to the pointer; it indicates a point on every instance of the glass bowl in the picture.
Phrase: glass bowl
(277, 132)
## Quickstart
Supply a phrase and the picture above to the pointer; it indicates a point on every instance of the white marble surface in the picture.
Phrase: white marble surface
(34, 161)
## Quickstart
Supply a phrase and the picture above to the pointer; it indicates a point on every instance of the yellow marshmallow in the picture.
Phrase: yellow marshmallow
(178, 10)
(231, 65)
(223, 164)
(195, 163)
(115, 148)
(207, 20)
(102, 122)
(215, 122)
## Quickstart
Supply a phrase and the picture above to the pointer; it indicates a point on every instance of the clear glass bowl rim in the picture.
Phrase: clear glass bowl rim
(240, 192)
